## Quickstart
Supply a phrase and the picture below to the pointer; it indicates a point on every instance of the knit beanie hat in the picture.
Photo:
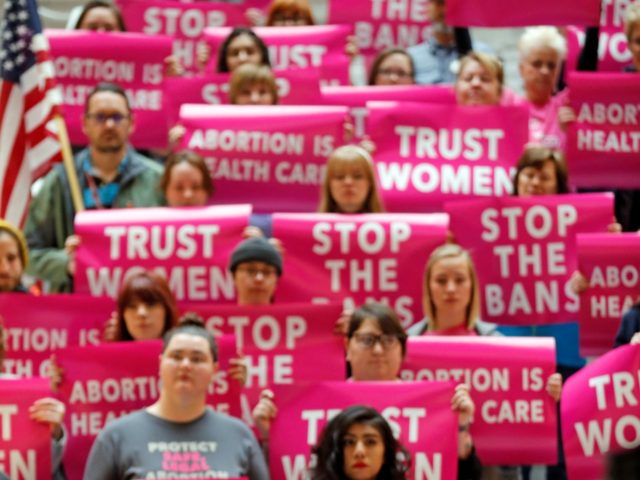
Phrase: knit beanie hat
(256, 249)
(19, 237)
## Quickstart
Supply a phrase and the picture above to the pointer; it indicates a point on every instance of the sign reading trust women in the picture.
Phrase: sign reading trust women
(603, 144)
(356, 258)
(38, 326)
(419, 414)
(84, 59)
(524, 250)
(271, 156)
(427, 154)
(498, 13)
(600, 415)
(611, 264)
(507, 380)
(190, 247)
(25, 445)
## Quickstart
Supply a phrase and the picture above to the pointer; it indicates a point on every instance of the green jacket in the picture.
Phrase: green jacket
(51, 214)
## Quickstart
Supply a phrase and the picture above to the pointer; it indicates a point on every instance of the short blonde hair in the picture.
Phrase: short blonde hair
(491, 63)
(349, 156)
(631, 19)
(249, 74)
(450, 250)
(540, 37)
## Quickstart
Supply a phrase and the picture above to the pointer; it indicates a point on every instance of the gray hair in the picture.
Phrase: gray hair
(537, 37)
(631, 19)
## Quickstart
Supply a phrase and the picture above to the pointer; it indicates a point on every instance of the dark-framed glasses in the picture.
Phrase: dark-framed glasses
(368, 340)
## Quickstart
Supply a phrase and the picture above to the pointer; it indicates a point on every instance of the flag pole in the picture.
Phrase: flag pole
(69, 166)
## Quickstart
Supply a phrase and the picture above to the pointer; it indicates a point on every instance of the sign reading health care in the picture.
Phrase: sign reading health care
(36, 327)
(356, 98)
(600, 413)
(383, 24)
(185, 22)
(427, 154)
(320, 46)
(607, 127)
(524, 252)
(356, 258)
(507, 387)
(25, 445)
(497, 13)
(419, 414)
(611, 264)
(190, 247)
(105, 382)
(271, 156)
(84, 59)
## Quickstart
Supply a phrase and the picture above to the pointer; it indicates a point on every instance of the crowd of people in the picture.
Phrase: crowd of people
(358, 443)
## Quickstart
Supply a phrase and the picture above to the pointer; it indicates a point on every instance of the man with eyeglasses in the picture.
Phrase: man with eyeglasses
(256, 265)
(111, 175)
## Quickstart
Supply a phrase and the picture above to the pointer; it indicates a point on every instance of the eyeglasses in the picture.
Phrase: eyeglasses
(103, 118)
(387, 72)
(267, 273)
(369, 340)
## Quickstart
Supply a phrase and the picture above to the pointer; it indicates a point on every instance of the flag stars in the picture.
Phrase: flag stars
(20, 59)
(22, 15)
(8, 65)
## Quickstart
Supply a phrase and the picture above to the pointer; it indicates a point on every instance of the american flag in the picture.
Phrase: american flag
(28, 102)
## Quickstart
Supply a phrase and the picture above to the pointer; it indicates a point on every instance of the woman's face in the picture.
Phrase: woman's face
(186, 186)
(539, 71)
(373, 355)
(538, 181)
(395, 70)
(349, 188)
(634, 45)
(477, 86)
(363, 452)
(255, 94)
(187, 367)
(450, 286)
(100, 19)
(243, 49)
(144, 321)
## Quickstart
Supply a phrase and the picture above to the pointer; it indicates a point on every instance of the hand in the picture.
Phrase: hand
(71, 244)
(614, 227)
(462, 403)
(172, 67)
(264, 413)
(175, 135)
(578, 282)
(110, 329)
(566, 115)
(351, 48)
(554, 386)
(203, 54)
(56, 373)
(368, 144)
(51, 411)
(255, 17)
(635, 340)
(341, 326)
(238, 369)
(251, 231)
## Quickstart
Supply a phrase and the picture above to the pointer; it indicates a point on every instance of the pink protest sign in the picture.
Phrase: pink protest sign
(599, 410)
(603, 144)
(611, 264)
(355, 258)
(507, 379)
(185, 22)
(271, 156)
(380, 25)
(190, 247)
(105, 382)
(357, 97)
(419, 412)
(84, 59)
(524, 252)
(300, 86)
(36, 327)
(319, 46)
(25, 445)
(427, 154)
(497, 13)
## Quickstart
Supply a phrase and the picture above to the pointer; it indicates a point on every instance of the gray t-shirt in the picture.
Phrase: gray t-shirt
(141, 445)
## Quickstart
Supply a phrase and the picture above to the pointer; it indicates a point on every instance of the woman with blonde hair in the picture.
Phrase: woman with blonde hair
(480, 80)
(253, 85)
(349, 184)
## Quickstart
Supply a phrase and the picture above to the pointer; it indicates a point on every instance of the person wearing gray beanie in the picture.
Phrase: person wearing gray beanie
(256, 265)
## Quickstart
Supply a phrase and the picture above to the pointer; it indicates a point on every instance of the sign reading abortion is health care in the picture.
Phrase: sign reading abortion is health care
(427, 154)
(25, 445)
(84, 59)
(524, 250)
(507, 380)
(358, 258)
(600, 414)
(271, 156)
(419, 414)
(190, 247)
(603, 144)
(611, 264)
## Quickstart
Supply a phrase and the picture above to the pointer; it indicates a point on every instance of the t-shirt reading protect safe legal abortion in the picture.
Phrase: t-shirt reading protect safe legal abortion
(141, 445)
